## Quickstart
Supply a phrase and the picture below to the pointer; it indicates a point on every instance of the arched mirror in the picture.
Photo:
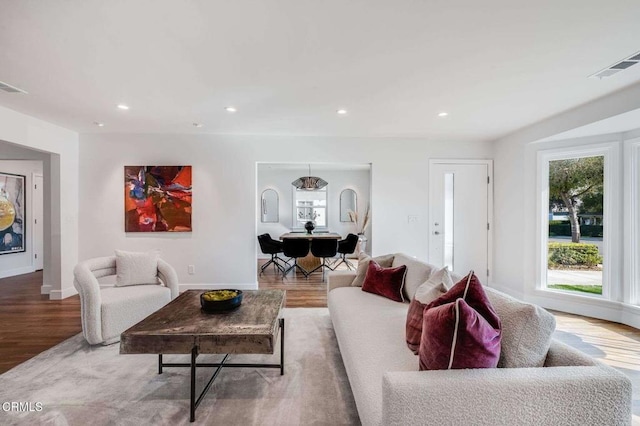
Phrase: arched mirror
(348, 202)
(269, 206)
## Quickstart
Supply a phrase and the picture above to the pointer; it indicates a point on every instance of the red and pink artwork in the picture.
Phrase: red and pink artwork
(157, 198)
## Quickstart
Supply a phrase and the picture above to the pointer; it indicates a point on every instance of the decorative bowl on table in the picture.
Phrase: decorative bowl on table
(220, 300)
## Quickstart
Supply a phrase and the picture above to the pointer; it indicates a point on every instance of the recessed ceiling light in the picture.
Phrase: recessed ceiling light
(123, 106)
(230, 109)
(342, 111)
(443, 114)
(197, 124)
(97, 123)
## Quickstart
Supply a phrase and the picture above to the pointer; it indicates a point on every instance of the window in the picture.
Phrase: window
(577, 221)
(310, 206)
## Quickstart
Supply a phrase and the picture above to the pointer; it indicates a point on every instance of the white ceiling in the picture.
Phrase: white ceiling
(288, 65)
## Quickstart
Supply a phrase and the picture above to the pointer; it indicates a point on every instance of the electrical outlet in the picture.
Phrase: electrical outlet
(192, 269)
(412, 219)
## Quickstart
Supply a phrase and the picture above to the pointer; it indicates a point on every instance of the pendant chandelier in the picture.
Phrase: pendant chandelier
(309, 182)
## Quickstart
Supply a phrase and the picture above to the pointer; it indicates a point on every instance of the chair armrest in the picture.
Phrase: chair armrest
(169, 277)
(513, 396)
(90, 300)
(337, 279)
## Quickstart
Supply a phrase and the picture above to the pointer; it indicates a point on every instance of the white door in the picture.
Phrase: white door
(37, 222)
(459, 216)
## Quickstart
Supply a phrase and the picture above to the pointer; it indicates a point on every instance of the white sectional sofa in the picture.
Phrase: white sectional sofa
(571, 389)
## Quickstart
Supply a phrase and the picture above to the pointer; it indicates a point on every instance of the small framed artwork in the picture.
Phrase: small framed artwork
(12, 213)
(157, 198)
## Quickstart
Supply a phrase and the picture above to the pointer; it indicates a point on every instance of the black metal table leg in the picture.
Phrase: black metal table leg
(194, 355)
(281, 346)
(195, 401)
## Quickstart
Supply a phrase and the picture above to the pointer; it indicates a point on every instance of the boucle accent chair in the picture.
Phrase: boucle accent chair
(566, 387)
(107, 312)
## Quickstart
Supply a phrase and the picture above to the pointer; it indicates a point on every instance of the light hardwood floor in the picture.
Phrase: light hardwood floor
(30, 323)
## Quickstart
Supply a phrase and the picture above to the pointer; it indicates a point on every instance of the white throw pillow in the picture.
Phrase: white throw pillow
(526, 331)
(133, 268)
(438, 283)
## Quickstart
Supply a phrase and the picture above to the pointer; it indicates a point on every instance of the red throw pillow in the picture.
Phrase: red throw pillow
(460, 329)
(386, 282)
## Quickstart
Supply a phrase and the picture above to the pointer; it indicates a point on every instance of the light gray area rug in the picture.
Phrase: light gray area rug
(78, 384)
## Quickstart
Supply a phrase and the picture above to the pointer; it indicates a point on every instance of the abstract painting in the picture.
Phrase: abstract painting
(12, 215)
(157, 198)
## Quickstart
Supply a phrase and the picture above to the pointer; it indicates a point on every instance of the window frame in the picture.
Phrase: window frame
(632, 220)
(611, 277)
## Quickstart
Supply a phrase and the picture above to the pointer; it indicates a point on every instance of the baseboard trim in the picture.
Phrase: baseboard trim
(17, 271)
(46, 289)
(209, 286)
(62, 294)
(631, 315)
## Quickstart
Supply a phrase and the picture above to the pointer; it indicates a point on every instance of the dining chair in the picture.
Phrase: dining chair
(324, 248)
(273, 247)
(345, 247)
(295, 248)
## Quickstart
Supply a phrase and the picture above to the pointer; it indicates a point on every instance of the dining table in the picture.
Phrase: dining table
(309, 262)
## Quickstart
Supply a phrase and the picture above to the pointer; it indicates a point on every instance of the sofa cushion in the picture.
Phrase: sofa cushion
(363, 263)
(526, 331)
(460, 329)
(134, 268)
(417, 273)
(434, 287)
(386, 282)
(369, 330)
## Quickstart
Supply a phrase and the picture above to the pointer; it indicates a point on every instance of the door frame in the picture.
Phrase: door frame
(34, 201)
(489, 164)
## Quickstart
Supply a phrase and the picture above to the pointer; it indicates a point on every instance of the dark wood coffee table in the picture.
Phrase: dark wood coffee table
(180, 327)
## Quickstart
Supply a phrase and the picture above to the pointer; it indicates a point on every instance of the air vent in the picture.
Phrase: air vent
(618, 66)
(606, 73)
(10, 89)
(623, 65)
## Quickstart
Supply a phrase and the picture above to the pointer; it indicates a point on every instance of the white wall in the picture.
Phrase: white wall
(223, 245)
(279, 179)
(60, 147)
(21, 263)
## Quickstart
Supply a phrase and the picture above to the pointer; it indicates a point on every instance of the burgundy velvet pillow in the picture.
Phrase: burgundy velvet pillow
(460, 329)
(386, 282)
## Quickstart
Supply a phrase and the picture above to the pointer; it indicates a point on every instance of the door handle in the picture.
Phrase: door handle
(436, 233)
